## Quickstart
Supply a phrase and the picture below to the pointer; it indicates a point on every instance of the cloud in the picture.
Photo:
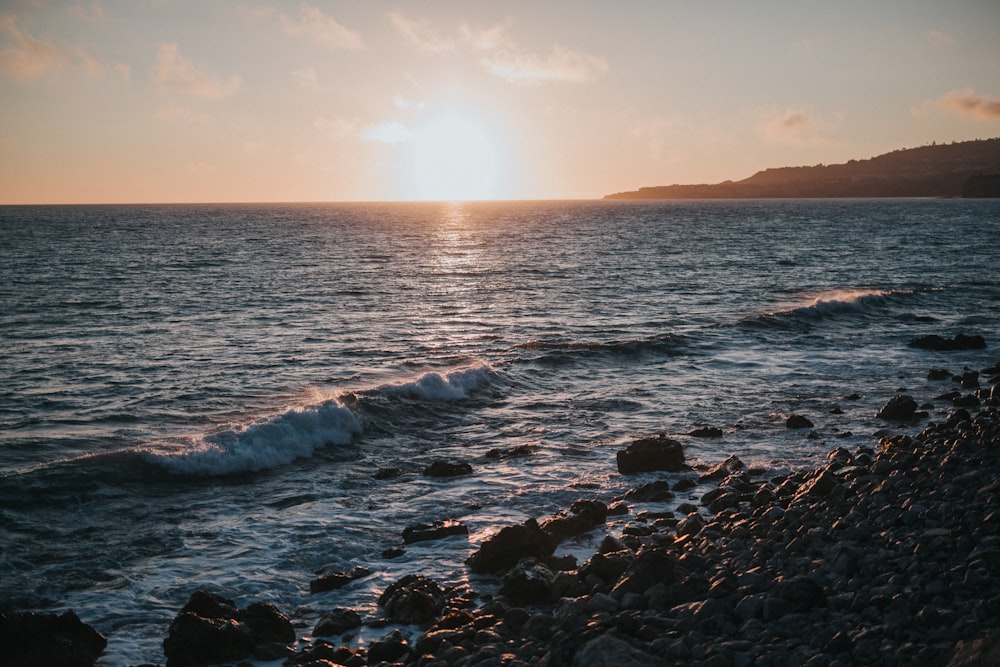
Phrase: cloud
(401, 102)
(25, 57)
(967, 103)
(795, 127)
(388, 132)
(306, 78)
(421, 35)
(337, 128)
(560, 64)
(173, 71)
(324, 30)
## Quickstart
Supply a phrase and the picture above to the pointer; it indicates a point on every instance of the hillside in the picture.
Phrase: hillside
(968, 168)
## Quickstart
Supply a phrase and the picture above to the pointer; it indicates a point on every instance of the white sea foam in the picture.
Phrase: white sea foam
(264, 443)
(433, 386)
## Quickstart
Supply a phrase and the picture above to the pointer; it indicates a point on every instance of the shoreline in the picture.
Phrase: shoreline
(886, 555)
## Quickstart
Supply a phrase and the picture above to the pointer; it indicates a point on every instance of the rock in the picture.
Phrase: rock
(267, 625)
(798, 421)
(610, 651)
(337, 580)
(390, 648)
(970, 380)
(31, 639)
(650, 454)
(979, 653)
(447, 469)
(959, 342)
(723, 470)
(706, 432)
(899, 408)
(437, 530)
(528, 582)
(800, 592)
(393, 552)
(388, 473)
(936, 374)
(582, 516)
(504, 549)
(504, 453)
(414, 599)
(649, 568)
(653, 492)
(337, 622)
(820, 484)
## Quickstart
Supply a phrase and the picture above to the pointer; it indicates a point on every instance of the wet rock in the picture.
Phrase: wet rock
(390, 648)
(940, 344)
(527, 582)
(387, 473)
(801, 593)
(723, 470)
(821, 484)
(970, 380)
(31, 639)
(899, 408)
(691, 524)
(393, 552)
(447, 469)
(337, 622)
(337, 580)
(937, 374)
(977, 653)
(582, 516)
(706, 432)
(504, 549)
(414, 599)
(653, 492)
(798, 421)
(649, 568)
(423, 532)
(515, 452)
(651, 454)
(267, 624)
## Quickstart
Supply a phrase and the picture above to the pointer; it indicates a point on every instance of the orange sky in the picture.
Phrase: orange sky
(243, 100)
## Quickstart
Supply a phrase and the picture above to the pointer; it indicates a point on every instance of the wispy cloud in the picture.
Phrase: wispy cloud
(306, 78)
(421, 34)
(401, 102)
(322, 29)
(559, 64)
(24, 57)
(795, 127)
(968, 103)
(388, 132)
(173, 72)
(337, 128)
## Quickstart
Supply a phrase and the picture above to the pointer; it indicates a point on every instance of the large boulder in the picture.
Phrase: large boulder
(414, 599)
(900, 408)
(337, 622)
(582, 516)
(649, 454)
(528, 582)
(503, 550)
(31, 639)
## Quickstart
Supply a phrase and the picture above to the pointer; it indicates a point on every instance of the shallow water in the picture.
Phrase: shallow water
(199, 396)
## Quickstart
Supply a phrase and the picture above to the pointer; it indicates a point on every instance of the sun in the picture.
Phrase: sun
(454, 159)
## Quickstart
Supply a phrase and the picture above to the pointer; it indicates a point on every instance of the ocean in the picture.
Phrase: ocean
(202, 396)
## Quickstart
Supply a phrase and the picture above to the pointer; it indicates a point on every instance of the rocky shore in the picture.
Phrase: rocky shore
(886, 555)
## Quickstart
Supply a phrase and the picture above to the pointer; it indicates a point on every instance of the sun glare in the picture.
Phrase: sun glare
(454, 159)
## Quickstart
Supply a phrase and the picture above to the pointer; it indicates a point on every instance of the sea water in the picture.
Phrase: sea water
(201, 396)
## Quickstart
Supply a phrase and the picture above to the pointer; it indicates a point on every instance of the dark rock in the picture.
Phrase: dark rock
(798, 421)
(821, 484)
(970, 380)
(337, 580)
(504, 453)
(650, 454)
(582, 516)
(447, 469)
(527, 582)
(936, 374)
(337, 622)
(266, 624)
(653, 492)
(437, 530)
(209, 605)
(390, 648)
(610, 651)
(706, 432)
(969, 401)
(388, 473)
(649, 568)
(723, 470)
(414, 599)
(959, 342)
(31, 639)
(504, 549)
(800, 592)
(899, 408)
(196, 640)
(978, 653)
(393, 552)
(685, 484)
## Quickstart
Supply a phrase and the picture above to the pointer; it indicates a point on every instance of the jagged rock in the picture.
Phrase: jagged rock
(388, 473)
(267, 624)
(650, 454)
(437, 530)
(610, 651)
(414, 599)
(31, 639)
(504, 453)
(390, 648)
(504, 549)
(583, 515)
(798, 421)
(337, 622)
(706, 432)
(527, 582)
(653, 492)
(723, 470)
(336, 580)
(899, 408)
(936, 374)
(447, 469)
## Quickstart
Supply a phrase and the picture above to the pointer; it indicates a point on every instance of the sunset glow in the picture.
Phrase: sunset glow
(115, 101)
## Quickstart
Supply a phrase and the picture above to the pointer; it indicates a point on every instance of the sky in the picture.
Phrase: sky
(132, 101)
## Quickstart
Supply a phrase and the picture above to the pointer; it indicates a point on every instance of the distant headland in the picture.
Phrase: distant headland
(962, 169)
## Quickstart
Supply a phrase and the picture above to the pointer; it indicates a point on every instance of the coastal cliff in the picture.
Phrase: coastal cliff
(963, 169)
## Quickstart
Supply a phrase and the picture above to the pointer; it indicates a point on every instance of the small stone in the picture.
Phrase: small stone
(798, 421)
(447, 469)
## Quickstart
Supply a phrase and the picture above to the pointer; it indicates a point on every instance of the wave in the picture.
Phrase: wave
(264, 443)
(434, 386)
(829, 303)
(565, 351)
